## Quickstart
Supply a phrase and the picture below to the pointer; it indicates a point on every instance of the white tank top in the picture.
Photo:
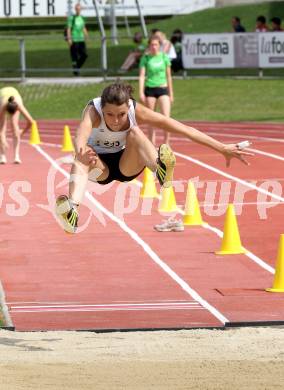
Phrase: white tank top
(104, 140)
(6, 92)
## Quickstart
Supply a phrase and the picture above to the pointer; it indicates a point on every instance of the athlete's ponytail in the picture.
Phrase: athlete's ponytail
(117, 93)
(12, 105)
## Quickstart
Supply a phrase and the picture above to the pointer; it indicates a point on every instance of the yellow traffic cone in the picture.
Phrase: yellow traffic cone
(149, 187)
(34, 137)
(192, 215)
(67, 144)
(231, 243)
(278, 284)
(167, 203)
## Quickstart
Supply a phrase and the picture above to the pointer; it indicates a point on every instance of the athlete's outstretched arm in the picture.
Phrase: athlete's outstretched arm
(229, 151)
(85, 128)
(85, 156)
(89, 120)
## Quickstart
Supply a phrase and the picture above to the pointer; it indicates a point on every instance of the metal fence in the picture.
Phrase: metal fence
(26, 56)
(48, 56)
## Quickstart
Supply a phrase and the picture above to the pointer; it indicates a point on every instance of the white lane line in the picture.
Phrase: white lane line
(246, 136)
(226, 135)
(238, 204)
(272, 155)
(228, 176)
(51, 144)
(52, 135)
(251, 131)
(202, 204)
(108, 305)
(144, 302)
(43, 143)
(247, 131)
(249, 254)
(185, 286)
(191, 305)
(257, 151)
(59, 131)
(69, 310)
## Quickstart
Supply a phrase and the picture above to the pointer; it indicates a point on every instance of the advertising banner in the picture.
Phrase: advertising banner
(208, 51)
(243, 50)
(246, 50)
(271, 50)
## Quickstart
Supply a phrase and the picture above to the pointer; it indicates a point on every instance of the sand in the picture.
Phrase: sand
(247, 358)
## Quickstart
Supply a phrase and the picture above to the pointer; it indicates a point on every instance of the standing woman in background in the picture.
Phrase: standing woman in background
(11, 106)
(155, 82)
(76, 35)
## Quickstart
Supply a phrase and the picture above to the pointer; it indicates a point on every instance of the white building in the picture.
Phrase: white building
(42, 8)
(223, 3)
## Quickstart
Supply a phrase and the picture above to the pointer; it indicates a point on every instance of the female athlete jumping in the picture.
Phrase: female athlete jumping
(110, 146)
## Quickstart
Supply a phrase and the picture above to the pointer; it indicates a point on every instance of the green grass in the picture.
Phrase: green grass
(51, 51)
(229, 100)
(195, 99)
(218, 20)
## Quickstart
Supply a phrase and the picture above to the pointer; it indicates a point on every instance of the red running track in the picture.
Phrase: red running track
(124, 275)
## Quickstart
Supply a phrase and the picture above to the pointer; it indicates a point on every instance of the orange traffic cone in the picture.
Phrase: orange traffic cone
(149, 187)
(192, 215)
(278, 284)
(67, 144)
(167, 203)
(231, 243)
(34, 137)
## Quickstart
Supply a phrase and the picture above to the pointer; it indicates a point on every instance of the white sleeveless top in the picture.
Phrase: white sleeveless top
(6, 92)
(103, 140)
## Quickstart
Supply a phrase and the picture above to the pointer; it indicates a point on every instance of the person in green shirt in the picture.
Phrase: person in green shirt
(155, 82)
(76, 35)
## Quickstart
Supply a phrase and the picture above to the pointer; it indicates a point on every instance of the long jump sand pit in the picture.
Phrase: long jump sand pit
(247, 358)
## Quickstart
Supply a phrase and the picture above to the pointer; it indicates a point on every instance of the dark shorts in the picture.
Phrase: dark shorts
(156, 92)
(112, 162)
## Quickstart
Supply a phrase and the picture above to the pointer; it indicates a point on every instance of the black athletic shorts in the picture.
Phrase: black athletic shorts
(112, 162)
(156, 92)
